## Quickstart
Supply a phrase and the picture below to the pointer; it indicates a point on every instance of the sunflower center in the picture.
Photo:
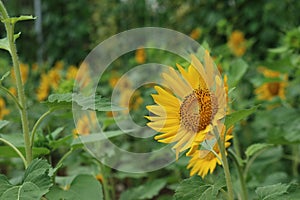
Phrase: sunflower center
(198, 110)
(274, 88)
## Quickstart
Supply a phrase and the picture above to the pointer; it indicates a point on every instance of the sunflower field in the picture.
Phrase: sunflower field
(149, 99)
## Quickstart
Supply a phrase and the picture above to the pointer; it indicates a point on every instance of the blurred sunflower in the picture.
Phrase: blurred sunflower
(204, 161)
(44, 88)
(71, 72)
(196, 33)
(237, 43)
(84, 125)
(140, 56)
(54, 77)
(196, 104)
(3, 110)
(269, 90)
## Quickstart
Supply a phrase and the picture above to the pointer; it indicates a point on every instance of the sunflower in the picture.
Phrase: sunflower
(140, 55)
(269, 90)
(204, 161)
(237, 43)
(191, 105)
(44, 88)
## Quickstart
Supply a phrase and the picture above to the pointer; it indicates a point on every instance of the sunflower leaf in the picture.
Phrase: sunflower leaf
(233, 118)
(255, 148)
(5, 45)
(82, 186)
(272, 191)
(237, 70)
(96, 103)
(35, 183)
(195, 188)
(3, 123)
(146, 191)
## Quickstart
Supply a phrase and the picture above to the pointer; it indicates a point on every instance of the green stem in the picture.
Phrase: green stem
(251, 160)
(36, 125)
(16, 150)
(225, 167)
(20, 88)
(296, 160)
(11, 96)
(241, 175)
(104, 182)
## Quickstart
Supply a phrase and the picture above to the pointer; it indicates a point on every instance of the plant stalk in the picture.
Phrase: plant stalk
(20, 88)
(16, 150)
(221, 145)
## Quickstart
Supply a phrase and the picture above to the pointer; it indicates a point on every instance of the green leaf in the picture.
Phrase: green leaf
(195, 188)
(281, 49)
(94, 103)
(8, 152)
(3, 123)
(82, 186)
(35, 183)
(233, 118)
(145, 191)
(86, 103)
(255, 148)
(95, 137)
(236, 71)
(6, 74)
(14, 20)
(271, 191)
(4, 44)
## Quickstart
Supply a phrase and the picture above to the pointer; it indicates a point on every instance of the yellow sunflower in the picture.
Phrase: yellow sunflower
(3, 110)
(140, 55)
(268, 91)
(204, 161)
(44, 88)
(237, 43)
(192, 104)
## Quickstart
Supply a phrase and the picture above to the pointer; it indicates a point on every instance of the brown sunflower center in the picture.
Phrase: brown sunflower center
(197, 110)
(274, 88)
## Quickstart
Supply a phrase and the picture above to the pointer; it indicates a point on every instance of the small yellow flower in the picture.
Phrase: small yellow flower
(268, 91)
(114, 78)
(99, 177)
(72, 72)
(59, 65)
(54, 78)
(84, 125)
(83, 79)
(196, 33)
(140, 56)
(237, 43)
(44, 88)
(204, 161)
(3, 110)
(24, 69)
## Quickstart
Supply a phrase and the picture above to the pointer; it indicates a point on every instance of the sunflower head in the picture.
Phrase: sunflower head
(189, 104)
(269, 90)
(203, 161)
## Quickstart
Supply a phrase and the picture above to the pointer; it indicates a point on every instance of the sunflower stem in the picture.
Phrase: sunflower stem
(296, 160)
(221, 145)
(240, 174)
(16, 150)
(9, 27)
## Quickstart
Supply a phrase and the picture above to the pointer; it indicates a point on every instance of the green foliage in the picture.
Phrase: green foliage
(35, 183)
(195, 188)
(82, 186)
(234, 117)
(147, 191)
